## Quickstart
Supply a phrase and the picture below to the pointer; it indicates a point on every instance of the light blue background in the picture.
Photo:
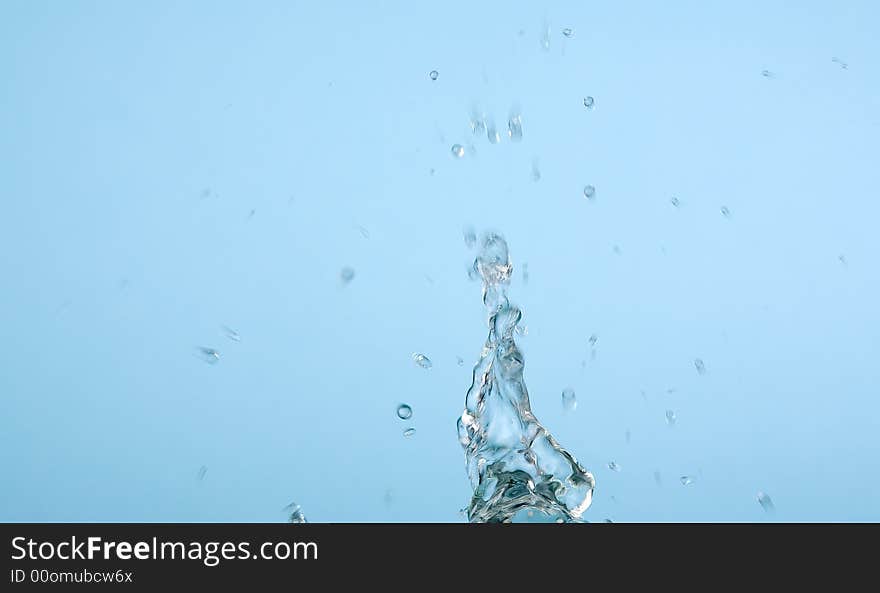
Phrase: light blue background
(321, 117)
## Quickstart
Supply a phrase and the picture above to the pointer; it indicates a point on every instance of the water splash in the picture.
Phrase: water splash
(516, 467)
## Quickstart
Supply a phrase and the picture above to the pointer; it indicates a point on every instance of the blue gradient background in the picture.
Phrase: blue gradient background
(321, 117)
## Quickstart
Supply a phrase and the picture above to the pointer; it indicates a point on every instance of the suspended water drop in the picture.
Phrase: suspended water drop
(457, 151)
(686, 480)
(569, 400)
(613, 466)
(209, 355)
(589, 192)
(295, 513)
(567, 32)
(492, 132)
(589, 102)
(346, 275)
(670, 417)
(766, 502)
(545, 38)
(434, 74)
(700, 366)
(674, 201)
(725, 212)
(514, 127)
(231, 333)
(409, 432)
(404, 412)
(422, 360)
(470, 237)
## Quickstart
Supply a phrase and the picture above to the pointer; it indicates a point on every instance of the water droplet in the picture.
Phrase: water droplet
(492, 132)
(346, 275)
(459, 360)
(404, 412)
(295, 513)
(670, 417)
(409, 432)
(209, 355)
(686, 480)
(422, 360)
(674, 201)
(613, 466)
(545, 38)
(589, 192)
(567, 32)
(725, 212)
(569, 400)
(536, 171)
(231, 333)
(514, 127)
(766, 502)
(202, 471)
(457, 151)
(470, 237)
(657, 479)
(589, 102)
(434, 74)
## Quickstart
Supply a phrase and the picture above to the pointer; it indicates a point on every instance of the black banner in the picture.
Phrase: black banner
(154, 556)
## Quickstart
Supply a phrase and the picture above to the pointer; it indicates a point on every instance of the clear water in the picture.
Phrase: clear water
(172, 169)
(516, 467)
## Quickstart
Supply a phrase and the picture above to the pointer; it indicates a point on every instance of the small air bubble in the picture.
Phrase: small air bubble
(589, 192)
(569, 400)
(674, 201)
(434, 74)
(767, 74)
(589, 102)
(409, 432)
(725, 212)
(670, 417)
(346, 275)
(404, 412)
(422, 360)
(459, 360)
(686, 480)
(457, 151)
(700, 366)
(567, 32)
